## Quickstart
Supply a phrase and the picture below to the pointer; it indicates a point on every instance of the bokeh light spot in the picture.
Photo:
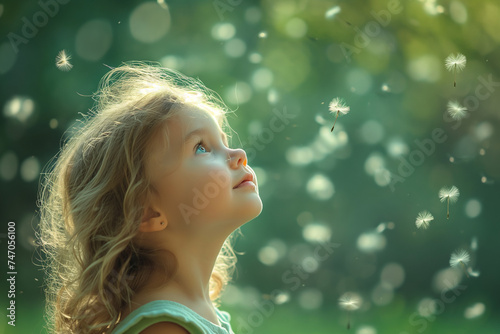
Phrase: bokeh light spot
(447, 279)
(320, 187)
(397, 147)
(223, 31)
(374, 162)
(359, 81)
(483, 130)
(235, 48)
(255, 58)
(382, 295)
(392, 275)
(8, 166)
(273, 96)
(310, 299)
(261, 176)
(372, 132)
(262, 78)
(425, 68)
(474, 311)
(253, 14)
(316, 233)
(30, 169)
(370, 242)
(296, 28)
(365, 329)
(54, 123)
(473, 208)
(149, 22)
(93, 39)
(426, 307)
(239, 93)
(299, 156)
(173, 62)
(268, 255)
(19, 107)
(310, 264)
(458, 12)
(382, 177)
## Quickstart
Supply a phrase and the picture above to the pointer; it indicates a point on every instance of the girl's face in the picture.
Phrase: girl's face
(195, 176)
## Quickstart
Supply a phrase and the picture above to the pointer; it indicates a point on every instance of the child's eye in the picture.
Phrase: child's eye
(200, 147)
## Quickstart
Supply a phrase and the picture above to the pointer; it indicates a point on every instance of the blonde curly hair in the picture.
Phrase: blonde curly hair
(92, 201)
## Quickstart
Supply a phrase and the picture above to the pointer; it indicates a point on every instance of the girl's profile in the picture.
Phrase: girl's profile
(138, 210)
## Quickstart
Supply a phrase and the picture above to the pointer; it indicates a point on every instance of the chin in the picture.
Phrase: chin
(251, 211)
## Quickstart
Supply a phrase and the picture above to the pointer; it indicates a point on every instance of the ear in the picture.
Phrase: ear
(152, 221)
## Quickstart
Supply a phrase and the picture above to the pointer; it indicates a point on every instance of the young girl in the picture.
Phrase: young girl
(137, 211)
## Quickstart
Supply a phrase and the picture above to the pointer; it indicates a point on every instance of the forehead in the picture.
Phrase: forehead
(167, 143)
(189, 119)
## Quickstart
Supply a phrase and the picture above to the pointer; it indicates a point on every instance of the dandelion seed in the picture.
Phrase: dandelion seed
(338, 105)
(333, 12)
(473, 243)
(473, 273)
(162, 4)
(456, 111)
(423, 219)
(350, 301)
(455, 63)
(449, 194)
(62, 61)
(330, 14)
(486, 180)
(460, 257)
(381, 227)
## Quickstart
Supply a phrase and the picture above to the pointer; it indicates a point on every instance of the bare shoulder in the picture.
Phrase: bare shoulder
(165, 328)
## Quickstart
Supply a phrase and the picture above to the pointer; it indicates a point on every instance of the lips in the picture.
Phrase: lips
(247, 177)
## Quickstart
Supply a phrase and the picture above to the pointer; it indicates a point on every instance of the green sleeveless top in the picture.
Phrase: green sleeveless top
(166, 310)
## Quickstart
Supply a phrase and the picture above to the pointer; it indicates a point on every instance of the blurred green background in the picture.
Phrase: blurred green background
(357, 190)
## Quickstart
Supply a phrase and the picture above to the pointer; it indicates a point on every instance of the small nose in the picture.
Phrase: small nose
(236, 157)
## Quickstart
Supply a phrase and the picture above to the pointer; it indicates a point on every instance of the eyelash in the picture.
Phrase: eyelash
(200, 143)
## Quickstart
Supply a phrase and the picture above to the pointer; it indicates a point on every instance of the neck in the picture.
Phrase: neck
(195, 259)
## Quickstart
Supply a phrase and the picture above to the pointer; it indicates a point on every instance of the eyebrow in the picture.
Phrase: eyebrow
(200, 131)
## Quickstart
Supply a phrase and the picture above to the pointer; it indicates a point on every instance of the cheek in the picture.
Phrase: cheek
(210, 186)
(213, 183)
